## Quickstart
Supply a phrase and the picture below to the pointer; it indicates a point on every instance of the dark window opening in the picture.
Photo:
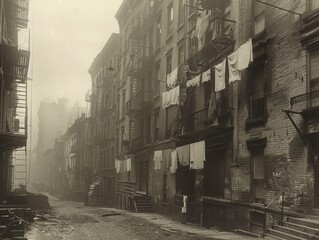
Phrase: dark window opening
(258, 173)
(256, 101)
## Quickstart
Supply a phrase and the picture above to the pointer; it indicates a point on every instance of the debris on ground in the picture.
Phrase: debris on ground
(111, 214)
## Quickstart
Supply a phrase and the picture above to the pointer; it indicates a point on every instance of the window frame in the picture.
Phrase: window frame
(255, 16)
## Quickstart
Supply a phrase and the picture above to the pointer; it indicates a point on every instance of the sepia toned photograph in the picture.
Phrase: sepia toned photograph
(159, 119)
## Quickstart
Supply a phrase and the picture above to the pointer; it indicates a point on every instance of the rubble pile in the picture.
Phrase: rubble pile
(14, 222)
(37, 201)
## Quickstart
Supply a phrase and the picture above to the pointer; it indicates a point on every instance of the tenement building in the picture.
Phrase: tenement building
(104, 116)
(211, 110)
(14, 67)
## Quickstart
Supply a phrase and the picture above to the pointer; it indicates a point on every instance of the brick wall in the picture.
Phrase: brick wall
(286, 166)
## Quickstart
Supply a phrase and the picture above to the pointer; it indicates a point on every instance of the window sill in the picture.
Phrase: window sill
(255, 122)
(157, 49)
(259, 36)
(170, 36)
(156, 97)
(191, 16)
(310, 14)
(180, 27)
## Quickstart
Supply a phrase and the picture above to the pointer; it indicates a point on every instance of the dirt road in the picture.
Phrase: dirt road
(73, 221)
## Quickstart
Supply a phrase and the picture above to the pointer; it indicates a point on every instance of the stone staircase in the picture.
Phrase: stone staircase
(93, 193)
(143, 203)
(296, 229)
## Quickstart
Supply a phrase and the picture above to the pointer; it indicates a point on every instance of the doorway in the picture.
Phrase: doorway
(143, 177)
(215, 173)
(185, 180)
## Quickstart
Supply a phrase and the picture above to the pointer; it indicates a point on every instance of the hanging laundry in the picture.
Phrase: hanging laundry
(234, 73)
(220, 70)
(117, 166)
(195, 81)
(128, 164)
(202, 25)
(164, 100)
(197, 155)
(212, 106)
(166, 159)
(172, 78)
(170, 97)
(173, 165)
(183, 155)
(174, 96)
(245, 55)
(206, 76)
(123, 167)
(158, 156)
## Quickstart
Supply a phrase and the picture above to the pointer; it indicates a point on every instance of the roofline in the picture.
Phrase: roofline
(108, 48)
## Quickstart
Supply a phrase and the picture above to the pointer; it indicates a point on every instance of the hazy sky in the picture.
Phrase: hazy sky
(66, 37)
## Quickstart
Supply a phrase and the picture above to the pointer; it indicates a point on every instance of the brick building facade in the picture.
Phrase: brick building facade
(259, 132)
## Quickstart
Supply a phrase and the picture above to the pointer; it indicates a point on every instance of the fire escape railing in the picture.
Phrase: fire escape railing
(304, 97)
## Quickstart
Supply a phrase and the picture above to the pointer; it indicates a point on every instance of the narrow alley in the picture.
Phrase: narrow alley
(74, 221)
(159, 119)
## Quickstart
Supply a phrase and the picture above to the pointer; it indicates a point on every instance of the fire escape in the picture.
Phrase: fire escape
(213, 120)
(14, 91)
(141, 95)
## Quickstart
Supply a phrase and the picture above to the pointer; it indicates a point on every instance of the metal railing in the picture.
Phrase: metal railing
(131, 106)
(144, 97)
(304, 97)
(196, 121)
(221, 28)
(282, 193)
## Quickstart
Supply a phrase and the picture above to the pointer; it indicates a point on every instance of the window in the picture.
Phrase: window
(259, 17)
(181, 54)
(256, 100)
(112, 158)
(150, 41)
(158, 32)
(157, 79)
(313, 4)
(181, 13)
(169, 63)
(123, 103)
(156, 125)
(147, 136)
(191, 8)
(258, 173)
(314, 76)
(118, 141)
(118, 107)
(170, 17)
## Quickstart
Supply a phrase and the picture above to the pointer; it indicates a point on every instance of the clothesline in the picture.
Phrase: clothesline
(192, 155)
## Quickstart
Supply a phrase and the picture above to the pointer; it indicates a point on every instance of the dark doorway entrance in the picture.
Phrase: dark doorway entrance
(143, 177)
(214, 173)
(185, 180)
